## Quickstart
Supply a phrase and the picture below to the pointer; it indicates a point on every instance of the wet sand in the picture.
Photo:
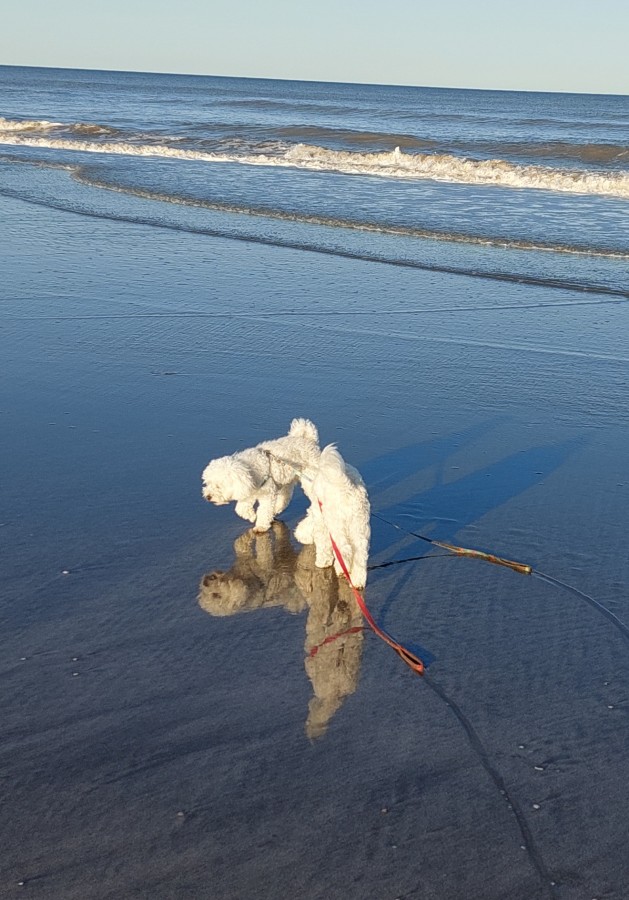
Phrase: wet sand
(156, 746)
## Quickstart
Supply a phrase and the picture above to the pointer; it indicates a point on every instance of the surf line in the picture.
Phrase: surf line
(146, 221)
(521, 568)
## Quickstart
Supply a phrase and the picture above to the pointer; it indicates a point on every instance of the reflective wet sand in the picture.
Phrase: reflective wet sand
(160, 742)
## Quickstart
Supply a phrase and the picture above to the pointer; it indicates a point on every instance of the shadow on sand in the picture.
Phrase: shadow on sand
(442, 510)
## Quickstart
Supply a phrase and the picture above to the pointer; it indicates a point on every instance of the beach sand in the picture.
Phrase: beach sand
(154, 749)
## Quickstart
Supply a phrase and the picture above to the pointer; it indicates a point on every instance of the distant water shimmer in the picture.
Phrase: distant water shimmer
(506, 184)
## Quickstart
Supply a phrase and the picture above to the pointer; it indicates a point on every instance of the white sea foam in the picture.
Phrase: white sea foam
(446, 167)
(386, 164)
(17, 125)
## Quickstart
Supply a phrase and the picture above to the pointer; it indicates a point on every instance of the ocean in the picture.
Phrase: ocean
(439, 280)
(512, 185)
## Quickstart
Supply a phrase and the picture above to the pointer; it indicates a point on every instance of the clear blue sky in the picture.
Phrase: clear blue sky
(552, 45)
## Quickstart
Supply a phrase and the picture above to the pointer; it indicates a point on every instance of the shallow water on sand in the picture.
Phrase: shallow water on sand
(153, 748)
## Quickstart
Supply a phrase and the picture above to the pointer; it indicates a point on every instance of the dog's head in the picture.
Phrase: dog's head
(225, 593)
(227, 478)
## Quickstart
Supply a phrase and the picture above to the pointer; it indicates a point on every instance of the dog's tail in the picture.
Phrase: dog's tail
(333, 468)
(304, 428)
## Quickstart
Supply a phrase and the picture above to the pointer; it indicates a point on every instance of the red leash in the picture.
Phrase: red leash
(412, 661)
(334, 637)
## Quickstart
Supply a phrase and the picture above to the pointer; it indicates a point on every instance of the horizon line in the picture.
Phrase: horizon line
(316, 81)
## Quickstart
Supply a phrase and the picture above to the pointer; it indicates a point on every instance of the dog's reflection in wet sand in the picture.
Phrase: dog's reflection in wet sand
(263, 574)
(269, 572)
(334, 640)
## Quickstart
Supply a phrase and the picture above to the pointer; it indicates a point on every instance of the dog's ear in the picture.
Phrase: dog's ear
(243, 480)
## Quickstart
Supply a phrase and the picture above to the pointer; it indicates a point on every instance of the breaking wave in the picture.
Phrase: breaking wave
(396, 164)
(16, 125)
(447, 167)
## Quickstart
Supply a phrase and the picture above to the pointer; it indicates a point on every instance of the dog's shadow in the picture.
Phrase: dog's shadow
(269, 572)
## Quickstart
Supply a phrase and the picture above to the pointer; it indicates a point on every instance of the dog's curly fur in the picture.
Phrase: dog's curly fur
(334, 641)
(344, 514)
(259, 479)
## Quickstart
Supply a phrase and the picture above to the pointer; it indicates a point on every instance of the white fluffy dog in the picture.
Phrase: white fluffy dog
(343, 514)
(259, 479)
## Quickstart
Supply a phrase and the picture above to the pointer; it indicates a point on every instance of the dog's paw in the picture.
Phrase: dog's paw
(359, 578)
(245, 511)
(323, 561)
